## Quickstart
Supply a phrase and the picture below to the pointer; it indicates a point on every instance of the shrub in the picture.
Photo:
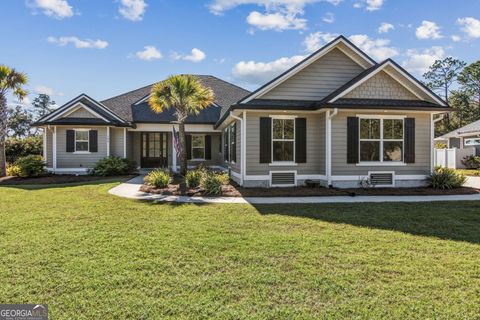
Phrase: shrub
(29, 166)
(471, 162)
(157, 178)
(113, 166)
(212, 184)
(16, 148)
(193, 178)
(445, 178)
(13, 170)
(223, 178)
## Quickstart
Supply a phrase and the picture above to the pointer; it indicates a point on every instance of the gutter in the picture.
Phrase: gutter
(242, 145)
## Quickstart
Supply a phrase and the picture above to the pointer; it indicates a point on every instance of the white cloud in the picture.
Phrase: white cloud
(149, 53)
(78, 43)
(419, 61)
(456, 38)
(43, 90)
(370, 5)
(196, 55)
(470, 26)
(132, 9)
(378, 49)
(58, 9)
(385, 27)
(316, 40)
(275, 21)
(260, 72)
(292, 6)
(428, 30)
(328, 18)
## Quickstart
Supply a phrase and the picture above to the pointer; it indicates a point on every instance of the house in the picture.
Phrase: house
(465, 137)
(337, 117)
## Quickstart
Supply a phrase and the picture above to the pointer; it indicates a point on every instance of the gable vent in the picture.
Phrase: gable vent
(381, 178)
(283, 178)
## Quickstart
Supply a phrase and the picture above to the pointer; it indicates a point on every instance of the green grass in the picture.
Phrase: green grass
(469, 172)
(90, 255)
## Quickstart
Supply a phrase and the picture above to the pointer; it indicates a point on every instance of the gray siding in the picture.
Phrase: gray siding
(318, 79)
(81, 113)
(381, 86)
(217, 157)
(116, 142)
(315, 146)
(422, 147)
(72, 160)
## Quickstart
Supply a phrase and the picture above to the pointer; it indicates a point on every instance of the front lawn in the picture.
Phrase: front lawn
(90, 255)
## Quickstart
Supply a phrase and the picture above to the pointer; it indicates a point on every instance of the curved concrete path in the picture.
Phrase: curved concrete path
(130, 189)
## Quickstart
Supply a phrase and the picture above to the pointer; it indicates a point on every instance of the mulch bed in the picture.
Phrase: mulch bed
(236, 191)
(55, 179)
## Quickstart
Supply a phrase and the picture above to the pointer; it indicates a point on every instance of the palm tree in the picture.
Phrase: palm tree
(10, 80)
(186, 95)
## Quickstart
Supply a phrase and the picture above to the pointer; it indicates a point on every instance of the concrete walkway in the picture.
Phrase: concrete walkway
(130, 189)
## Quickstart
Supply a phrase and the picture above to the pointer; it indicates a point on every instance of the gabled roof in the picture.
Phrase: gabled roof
(471, 128)
(367, 61)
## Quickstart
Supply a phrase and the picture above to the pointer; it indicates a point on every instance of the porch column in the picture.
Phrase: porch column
(45, 145)
(125, 142)
(108, 141)
(174, 154)
(54, 149)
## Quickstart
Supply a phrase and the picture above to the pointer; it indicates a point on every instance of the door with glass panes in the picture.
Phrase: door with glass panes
(154, 150)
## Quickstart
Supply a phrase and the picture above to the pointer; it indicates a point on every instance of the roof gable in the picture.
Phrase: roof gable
(340, 43)
(80, 111)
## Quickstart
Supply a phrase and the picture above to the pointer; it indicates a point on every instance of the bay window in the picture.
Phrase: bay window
(283, 140)
(381, 139)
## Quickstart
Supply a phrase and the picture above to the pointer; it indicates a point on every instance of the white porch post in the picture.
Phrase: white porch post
(45, 144)
(243, 166)
(174, 153)
(54, 149)
(125, 142)
(108, 141)
(328, 160)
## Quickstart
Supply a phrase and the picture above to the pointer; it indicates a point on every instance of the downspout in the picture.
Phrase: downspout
(329, 116)
(432, 132)
(242, 141)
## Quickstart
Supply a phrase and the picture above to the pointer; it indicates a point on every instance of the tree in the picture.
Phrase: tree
(469, 79)
(186, 95)
(43, 105)
(19, 122)
(442, 74)
(11, 81)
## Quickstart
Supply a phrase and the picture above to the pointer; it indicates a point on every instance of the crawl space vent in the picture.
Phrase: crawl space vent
(381, 179)
(283, 178)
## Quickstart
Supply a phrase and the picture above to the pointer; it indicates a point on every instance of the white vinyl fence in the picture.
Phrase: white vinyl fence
(452, 158)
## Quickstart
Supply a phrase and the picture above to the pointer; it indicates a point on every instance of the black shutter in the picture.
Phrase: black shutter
(225, 144)
(352, 140)
(189, 146)
(208, 147)
(234, 147)
(70, 140)
(300, 140)
(93, 140)
(265, 140)
(409, 140)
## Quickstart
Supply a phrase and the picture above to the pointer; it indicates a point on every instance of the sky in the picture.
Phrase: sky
(107, 47)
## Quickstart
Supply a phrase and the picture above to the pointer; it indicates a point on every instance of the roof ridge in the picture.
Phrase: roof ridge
(125, 93)
(232, 84)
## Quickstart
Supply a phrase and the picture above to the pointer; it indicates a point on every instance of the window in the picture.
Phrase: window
(198, 147)
(472, 142)
(81, 140)
(225, 145)
(229, 142)
(381, 140)
(283, 140)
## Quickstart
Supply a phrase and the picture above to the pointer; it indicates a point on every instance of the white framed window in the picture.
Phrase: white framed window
(82, 140)
(472, 142)
(198, 147)
(381, 139)
(283, 139)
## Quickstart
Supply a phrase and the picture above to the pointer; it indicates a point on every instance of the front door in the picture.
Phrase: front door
(154, 150)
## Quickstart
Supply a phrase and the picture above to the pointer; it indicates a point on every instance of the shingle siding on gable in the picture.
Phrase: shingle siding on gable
(81, 113)
(318, 79)
(381, 86)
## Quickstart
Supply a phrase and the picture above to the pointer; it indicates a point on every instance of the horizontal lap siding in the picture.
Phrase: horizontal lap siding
(72, 160)
(318, 79)
(315, 146)
(116, 142)
(422, 147)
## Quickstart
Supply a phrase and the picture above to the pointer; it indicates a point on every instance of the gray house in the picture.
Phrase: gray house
(465, 137)
(337, 117)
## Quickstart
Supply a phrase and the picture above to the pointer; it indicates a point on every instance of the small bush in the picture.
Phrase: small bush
(193, 178)
(445, 178)
(223, 178)
(113, 166)
(471, 162)
(13, 170)
(157, 178)
(16, 148)
(212, 184)
(29, 166)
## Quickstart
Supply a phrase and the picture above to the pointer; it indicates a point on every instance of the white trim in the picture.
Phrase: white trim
(302, 65)
(81, 152)
(256, 177)
(283, 185)
(125, 143)
(388, 63)
(285, 117)
(108, 141)
(383, 172)
(45, 134)
(397, 177)
(283, 163)
(54, 148)
(174, 152)
(432, 140)
(75, 130)
(167, 127)
(311, 177)
(380, 164)
(235, 174)
(60, 170)
(243, 146)
(381, 116)
(75, 108)
(328, 144)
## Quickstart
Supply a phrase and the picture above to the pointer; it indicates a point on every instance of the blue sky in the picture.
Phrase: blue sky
(107, 47)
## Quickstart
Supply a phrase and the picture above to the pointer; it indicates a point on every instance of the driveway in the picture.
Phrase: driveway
(473, 182)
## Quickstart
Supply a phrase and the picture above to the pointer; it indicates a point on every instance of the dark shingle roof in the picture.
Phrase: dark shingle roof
(384, 103)
(143, 114)
(226, 94)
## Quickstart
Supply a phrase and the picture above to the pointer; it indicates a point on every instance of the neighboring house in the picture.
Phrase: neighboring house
(337, 117)
(465, 137)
